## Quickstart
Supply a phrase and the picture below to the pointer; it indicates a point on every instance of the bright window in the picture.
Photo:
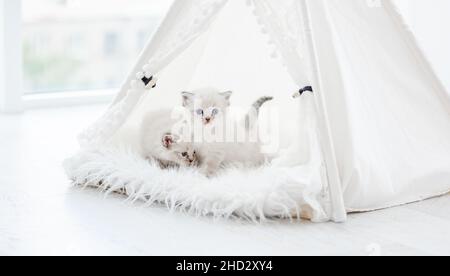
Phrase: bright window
(74, 45)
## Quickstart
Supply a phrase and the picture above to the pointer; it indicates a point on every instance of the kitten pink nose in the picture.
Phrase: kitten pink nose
(208, 119)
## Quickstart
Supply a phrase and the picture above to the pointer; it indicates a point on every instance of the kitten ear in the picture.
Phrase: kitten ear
(168, 140)
(188, 98)
(227, 95)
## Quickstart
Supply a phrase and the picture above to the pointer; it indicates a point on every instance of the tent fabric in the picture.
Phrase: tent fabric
(378, 121)
(185, 22)
(282, 23)
(389, 119)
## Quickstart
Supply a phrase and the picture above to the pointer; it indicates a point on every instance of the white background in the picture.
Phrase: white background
(431, 22)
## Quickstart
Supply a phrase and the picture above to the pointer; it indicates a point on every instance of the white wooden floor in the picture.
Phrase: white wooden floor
(40, 213)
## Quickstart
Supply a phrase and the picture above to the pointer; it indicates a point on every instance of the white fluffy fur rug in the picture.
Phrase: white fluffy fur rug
(254, 194)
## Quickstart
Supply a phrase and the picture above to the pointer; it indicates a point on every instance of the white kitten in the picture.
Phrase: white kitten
(208, 105)
(211, 108)
(161, 143)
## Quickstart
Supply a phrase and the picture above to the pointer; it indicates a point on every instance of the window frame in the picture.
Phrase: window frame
(10, 56)
(12, 95)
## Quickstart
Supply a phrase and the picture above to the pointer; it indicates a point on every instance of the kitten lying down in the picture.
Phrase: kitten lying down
(159, 143)
(208, 108)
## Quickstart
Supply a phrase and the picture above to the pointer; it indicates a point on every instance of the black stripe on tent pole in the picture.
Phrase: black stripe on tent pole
(146, 81)
(306, 89)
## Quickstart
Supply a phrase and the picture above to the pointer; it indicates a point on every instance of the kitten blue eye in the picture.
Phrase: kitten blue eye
(215, 111)
(199, 111)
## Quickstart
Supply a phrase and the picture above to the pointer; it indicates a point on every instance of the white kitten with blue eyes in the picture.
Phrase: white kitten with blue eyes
(159, 141)
(210, 108)
(208, 105)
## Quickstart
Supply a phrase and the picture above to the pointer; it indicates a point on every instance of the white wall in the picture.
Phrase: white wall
(431, 23)
(10, 56)
(2, 58)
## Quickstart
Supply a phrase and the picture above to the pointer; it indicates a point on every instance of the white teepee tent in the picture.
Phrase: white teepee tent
(375, 133)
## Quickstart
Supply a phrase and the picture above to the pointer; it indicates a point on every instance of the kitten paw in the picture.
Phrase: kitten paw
(208, 173)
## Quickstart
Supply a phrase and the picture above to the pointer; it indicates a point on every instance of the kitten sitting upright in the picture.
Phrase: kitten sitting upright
(208, 105)
(211, 106)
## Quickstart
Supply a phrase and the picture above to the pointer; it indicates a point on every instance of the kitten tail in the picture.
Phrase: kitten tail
(260, 102)
(252, 116)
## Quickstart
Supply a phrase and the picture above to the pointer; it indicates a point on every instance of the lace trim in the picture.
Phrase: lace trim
(286, 34)
(187, 31)
(104, 128)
